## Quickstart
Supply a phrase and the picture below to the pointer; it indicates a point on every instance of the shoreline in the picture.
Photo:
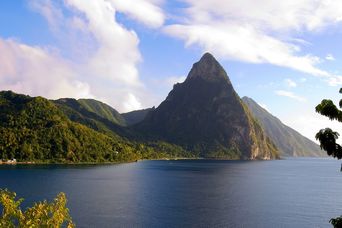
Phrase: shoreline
(125, 162)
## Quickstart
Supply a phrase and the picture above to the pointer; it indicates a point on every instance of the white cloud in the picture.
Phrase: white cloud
(255, 35)
(132, 103)
(290, 95)
(291, 14)
(290, 83)
(117, 53)
(48, 9)
(245, 43)
(95, 56)
(147, 12)
(330, 57)
(38, 72)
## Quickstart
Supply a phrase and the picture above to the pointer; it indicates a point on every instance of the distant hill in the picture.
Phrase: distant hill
(288, 141)
(93, 114)
(206, 116)
(136, 116)
(103, 110)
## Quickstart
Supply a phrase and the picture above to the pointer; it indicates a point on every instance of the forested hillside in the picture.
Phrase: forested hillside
(35, 129)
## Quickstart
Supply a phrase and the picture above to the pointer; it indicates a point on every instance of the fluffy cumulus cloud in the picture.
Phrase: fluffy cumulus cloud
(257, 31)
(38, 72)
(147, 12)
(117, 53)
(95, 56)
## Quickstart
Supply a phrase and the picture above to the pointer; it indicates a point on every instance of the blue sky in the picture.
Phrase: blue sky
(284, 55)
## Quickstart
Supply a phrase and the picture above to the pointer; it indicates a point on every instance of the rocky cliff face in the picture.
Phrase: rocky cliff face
(205, 115)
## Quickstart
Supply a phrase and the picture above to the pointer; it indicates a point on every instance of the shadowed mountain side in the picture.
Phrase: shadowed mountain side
(136, 116)
(205, 115)
(288, 141)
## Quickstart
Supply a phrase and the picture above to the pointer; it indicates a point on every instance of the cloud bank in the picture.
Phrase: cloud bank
(96, 56)
(258, 31)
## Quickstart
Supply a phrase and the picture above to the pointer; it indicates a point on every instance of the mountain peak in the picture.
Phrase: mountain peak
(205, 116)
(207, 57)
(208, 68)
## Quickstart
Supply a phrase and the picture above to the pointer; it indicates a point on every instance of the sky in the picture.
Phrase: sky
(286, 55)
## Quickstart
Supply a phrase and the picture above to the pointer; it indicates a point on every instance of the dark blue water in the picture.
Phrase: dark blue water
(283, 193)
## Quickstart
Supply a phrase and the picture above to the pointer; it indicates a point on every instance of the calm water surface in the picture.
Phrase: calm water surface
(284, 193)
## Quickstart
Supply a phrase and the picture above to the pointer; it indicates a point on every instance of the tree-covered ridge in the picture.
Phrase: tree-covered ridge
(77, 112)
(103, 110)
(35, 129)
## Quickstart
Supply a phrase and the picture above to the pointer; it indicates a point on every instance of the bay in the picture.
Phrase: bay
(301, 192)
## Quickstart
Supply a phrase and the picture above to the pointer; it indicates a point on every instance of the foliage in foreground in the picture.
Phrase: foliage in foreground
(336, 222)
(42, 214)
(328, 137)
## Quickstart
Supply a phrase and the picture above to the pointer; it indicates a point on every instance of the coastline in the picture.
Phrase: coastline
(11, 162)
(91, 163)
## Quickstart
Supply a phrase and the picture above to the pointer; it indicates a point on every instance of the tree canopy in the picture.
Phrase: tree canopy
(327, 137)
(41, 214)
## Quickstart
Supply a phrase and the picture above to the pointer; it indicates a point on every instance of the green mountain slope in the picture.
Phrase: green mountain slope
(36, 129)
(103, 110)
(288, 141)
(95, 118)
(136, 116)
(206, 116)
(76, 112)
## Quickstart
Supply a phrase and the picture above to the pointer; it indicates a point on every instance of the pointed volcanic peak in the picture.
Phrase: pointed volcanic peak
(205, 115)
(209, 69)
(288, 141)
(207, 80)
